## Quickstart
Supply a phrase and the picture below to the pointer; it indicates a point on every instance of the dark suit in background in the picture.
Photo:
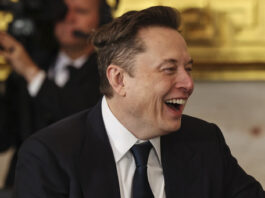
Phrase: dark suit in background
(74, 159)
(25, 114)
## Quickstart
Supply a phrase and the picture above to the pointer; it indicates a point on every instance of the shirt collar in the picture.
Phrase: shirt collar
(121, 139)
(63, 60)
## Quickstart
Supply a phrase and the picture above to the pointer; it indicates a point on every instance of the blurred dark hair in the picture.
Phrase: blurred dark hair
(117, 42)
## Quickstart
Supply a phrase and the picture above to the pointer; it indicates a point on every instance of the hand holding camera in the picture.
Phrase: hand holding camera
(18, 58)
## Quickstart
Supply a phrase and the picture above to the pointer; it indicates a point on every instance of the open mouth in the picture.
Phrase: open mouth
(175, 103)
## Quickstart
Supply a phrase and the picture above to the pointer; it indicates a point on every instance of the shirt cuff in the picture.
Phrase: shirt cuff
(35, 84)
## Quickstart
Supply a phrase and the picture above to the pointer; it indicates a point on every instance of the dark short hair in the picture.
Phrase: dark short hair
(117, 42)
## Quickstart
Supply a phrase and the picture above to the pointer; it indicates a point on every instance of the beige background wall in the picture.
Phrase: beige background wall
(239, 110)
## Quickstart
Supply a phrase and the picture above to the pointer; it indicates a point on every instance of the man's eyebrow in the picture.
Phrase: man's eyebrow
(172, 61)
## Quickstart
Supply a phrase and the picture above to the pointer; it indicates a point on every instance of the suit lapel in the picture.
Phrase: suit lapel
(96, 168)
(181, 167)
(96, 165)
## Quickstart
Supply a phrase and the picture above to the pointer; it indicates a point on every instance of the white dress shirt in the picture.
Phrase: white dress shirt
(58, 73)
(121, 141)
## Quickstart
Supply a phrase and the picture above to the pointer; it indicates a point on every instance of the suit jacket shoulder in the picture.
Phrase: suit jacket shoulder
(73, 158)
(46, 161)
(76, 152)
(198, 163)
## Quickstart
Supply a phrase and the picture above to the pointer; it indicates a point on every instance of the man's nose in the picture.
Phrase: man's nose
(184, 81)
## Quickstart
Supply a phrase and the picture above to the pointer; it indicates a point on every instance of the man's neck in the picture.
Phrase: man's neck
(75, 53)
(139, 130)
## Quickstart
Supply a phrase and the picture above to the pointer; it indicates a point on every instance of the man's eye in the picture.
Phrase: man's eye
(169, 70)
(189, 69)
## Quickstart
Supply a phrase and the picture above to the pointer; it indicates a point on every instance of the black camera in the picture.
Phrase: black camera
(33, 20)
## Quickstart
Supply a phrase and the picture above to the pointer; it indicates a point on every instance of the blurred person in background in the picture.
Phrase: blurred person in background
(44, 89)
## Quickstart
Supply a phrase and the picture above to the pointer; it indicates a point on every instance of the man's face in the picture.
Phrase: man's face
(82, 15)
(161, 82)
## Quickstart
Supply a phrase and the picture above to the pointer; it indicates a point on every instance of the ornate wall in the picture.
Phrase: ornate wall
(225, 38)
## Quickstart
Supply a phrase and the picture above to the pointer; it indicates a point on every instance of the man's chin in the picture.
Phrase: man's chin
(73, 45)
(171, 128)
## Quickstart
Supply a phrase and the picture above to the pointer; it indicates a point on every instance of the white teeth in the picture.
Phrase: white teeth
(177, 101)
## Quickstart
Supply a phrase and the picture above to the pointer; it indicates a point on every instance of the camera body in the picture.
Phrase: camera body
(33, 20)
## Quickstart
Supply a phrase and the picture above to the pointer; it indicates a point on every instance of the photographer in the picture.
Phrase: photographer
(65, 81)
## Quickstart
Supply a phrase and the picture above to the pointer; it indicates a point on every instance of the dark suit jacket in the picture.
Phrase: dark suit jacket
(24, 114)
(74, 159)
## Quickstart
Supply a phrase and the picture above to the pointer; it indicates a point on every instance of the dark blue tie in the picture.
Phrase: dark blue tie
(141, 187)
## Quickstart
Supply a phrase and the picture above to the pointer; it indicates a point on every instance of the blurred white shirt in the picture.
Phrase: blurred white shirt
(58, 73)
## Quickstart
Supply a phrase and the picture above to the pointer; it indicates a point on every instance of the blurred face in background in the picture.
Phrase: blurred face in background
(82, 15)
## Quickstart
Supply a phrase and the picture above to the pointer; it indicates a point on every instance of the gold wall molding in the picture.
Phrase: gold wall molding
(207, 71)
(225, 38)
(5, 19)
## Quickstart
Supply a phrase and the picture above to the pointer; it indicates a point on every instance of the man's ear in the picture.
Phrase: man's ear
(115, 75)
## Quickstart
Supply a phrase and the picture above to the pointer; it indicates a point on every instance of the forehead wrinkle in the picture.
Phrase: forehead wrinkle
(171, 60)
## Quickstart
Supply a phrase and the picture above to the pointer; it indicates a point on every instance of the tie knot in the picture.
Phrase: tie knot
(140, 153)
